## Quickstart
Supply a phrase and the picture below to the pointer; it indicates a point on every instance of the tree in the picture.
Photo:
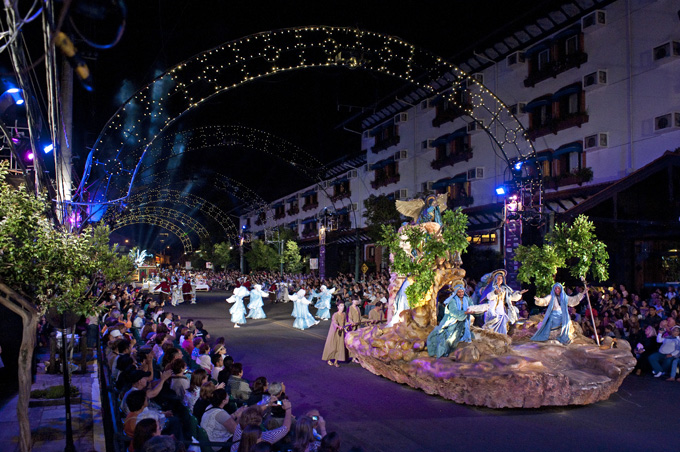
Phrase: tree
(422, 261)
(262, 256)
(380, 211)
(292, 261)
(44, 268)
(223, 254)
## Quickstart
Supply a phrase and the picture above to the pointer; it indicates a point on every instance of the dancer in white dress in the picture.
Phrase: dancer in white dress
(304, 319)
(324, 303)
(256, 303)
(238, 311)
(499, 311)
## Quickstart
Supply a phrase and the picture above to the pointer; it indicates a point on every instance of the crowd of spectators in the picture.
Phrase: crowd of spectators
(177, 387)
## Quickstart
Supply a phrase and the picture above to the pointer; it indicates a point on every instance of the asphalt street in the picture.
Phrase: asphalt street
(380, 415)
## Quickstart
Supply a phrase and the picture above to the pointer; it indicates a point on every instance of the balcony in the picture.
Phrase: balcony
(386, 143)
(557, 124)
(293, 210)
(279, 215)
(452, 159)
(310, 206)
(451, 113)
(340, 196)
(461, 201)
(556, 67)
(385, 181)
(578, 177)
(309, 233)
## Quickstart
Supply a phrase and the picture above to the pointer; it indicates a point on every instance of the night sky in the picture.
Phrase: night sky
(305, 108)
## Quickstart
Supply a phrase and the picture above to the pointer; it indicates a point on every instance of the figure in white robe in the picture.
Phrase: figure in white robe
(400, 303)
(256, 303)
(303, 319)
(238, 311)
(499, 311)
(176, 295)
(324, 303)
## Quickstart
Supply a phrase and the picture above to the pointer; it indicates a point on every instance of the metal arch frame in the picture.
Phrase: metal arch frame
(180, 218)
(160, 222)
(263, 54)
(188, 200)
(253, 139)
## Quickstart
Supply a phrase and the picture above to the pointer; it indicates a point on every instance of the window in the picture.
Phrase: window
(553, 56)
(543, 59)
(386, 173)
(386, 135)
(488, 238)
(571, 45)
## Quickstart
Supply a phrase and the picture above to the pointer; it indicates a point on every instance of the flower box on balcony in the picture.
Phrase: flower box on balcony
(307, 207)
(451, 159)
(339, 196)
(293, 210)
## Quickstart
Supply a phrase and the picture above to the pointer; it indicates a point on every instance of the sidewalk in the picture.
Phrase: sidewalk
(48, 423)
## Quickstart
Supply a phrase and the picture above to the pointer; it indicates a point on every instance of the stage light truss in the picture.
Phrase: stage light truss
(133, 129)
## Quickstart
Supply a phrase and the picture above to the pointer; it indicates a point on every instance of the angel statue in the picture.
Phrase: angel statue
(423, 211)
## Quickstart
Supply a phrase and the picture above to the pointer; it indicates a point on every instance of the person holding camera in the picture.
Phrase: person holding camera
(253, 416)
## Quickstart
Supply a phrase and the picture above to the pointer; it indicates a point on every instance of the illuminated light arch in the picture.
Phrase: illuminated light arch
(152, 196)
(160, 222)
(180, 218)
(229, 137)
(114, 161)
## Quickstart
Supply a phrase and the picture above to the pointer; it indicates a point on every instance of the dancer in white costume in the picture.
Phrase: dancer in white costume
(176, 295)
(304, 319)
(238, 311)
(256, 303)
(324, 303)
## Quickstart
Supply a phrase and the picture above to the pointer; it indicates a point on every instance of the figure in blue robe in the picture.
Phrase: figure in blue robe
(400, 303)
(454, 327)
(324, 303)
(256, 303)
(304, 319)
(557, 314)
(238, 311)
(499, 311)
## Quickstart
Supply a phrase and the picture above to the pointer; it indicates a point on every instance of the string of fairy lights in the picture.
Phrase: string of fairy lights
(164, 223)
(143, 118)
(188, 200)
(135, 140)
(178, 217)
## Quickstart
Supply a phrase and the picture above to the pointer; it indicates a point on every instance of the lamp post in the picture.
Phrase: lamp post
(322, 252)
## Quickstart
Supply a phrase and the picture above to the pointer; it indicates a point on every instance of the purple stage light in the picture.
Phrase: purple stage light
(30, 156)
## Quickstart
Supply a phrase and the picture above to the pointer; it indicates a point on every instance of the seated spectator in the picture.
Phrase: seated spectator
(201, 332)
(318, 424)
(330, 443)
(239, 387)
(163, 443)
(136, 402)
(253, 416)
(218, 365)
(203, 358)
(259, 390)
(304, 436)
(198, 378)
(203, 401)
(218, 424)
(252, 435)
(196, 350)
(139, 380)
(178, 381)
(144, 431)
(670, 349)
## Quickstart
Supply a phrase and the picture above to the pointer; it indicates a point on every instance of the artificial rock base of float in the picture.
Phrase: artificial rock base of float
(499, 371)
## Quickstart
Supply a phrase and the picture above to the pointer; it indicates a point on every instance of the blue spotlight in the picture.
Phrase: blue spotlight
(13, 90)
(20, 101)
(49, 148)
(500, 191)
(518, 166)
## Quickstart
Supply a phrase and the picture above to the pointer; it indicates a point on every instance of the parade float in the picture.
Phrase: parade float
(493, 370)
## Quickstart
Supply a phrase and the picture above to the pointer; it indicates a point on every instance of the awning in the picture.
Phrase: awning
(539, 102)
(382, 163)
(572, 31)
(308, 220)
(543, 156)
(567, 90)
(292, 199)
(277, 204)
(537, 48)
(292, 224)
(340, 181)
(308, 193)
(568, 148)
(445, 139)
(443, 183)
(342, 211)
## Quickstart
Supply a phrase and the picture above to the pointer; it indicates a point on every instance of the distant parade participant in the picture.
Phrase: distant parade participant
(324, 303)
(557, 314)
(186, 291)
(334, 350)
(303, 319)
(176, 295)
(256, 303)
(238, 311)
(164, 293)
